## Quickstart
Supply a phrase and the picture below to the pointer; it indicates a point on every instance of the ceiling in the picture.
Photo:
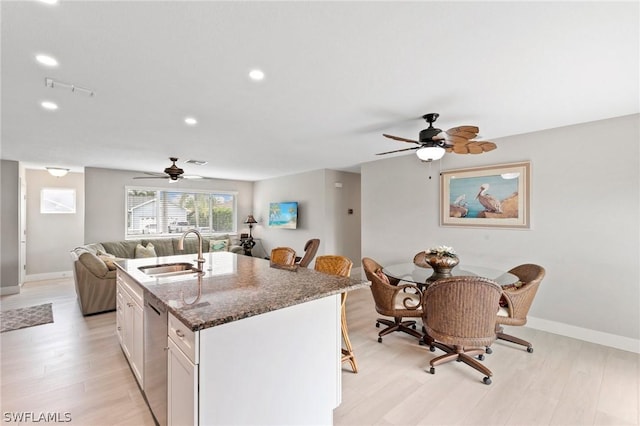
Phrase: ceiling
(338, 75)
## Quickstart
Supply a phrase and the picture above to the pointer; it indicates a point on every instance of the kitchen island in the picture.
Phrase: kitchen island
(252, 343)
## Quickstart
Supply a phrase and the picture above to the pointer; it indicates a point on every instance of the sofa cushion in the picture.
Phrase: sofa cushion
(122, 249)
(142, 251)
(162, 246)
(94, 264)
(219, 245)
(108, 259)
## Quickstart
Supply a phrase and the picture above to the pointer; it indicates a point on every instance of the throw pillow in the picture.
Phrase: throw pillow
(219, 245)
(142, 251)
(109, 260)
(382, 276)
(95, 265)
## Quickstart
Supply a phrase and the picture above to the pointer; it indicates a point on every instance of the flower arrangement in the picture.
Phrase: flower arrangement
(442, 251)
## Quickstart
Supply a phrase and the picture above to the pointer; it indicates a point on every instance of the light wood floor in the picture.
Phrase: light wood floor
(75, 366)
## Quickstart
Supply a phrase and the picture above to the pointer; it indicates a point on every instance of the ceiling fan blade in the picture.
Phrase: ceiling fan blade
(460, 149)
(469, 129)
(487, 146)
(398, 138)
(455, 139)
(151, 177)
(460, 134)
(399, 150)
(474, 148)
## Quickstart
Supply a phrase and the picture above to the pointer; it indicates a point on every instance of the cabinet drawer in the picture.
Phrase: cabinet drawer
(133, 288)
(184, 338)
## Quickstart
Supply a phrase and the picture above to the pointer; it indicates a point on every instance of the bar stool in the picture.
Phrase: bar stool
(340, 265)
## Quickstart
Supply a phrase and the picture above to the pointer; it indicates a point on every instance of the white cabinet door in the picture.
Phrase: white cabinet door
(127, 338)
(182, 388)
(137, 344)
(130, 331)
(120, 306)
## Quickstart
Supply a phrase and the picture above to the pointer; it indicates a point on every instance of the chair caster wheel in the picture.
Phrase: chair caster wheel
(432, 348)
(481, 357)
(379, 339)
(487, 380)
(489, 350)
(377, 325)
(432, 370)
(421, 342)
(413, 326)
(530, 349)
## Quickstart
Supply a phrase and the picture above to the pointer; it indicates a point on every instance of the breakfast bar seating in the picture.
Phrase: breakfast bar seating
(341, 266)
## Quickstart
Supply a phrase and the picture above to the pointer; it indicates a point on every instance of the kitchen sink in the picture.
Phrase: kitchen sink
(169, 269)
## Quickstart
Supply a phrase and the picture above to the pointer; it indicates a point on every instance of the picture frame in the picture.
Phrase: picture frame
(496, 196)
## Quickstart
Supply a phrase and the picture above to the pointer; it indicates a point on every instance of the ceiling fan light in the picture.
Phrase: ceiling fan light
(430, 153)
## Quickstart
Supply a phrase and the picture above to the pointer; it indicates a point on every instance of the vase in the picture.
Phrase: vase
(442, 266)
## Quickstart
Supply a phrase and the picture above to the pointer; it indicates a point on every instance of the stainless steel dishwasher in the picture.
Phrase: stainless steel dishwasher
(155, 357)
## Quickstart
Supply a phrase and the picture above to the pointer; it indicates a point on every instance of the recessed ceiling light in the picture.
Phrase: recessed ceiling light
(49, 105)
(191, 121)
(47, 60)
(256, 75)
(49, 1)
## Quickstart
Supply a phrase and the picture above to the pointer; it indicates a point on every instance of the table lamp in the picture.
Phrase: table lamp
(250, 220)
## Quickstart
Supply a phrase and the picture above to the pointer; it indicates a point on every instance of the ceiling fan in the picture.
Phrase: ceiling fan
(433, 142)
(172, 172)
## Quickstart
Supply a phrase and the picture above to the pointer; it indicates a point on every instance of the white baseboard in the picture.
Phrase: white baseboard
(48, 276)
(593, 336)
(13, 289)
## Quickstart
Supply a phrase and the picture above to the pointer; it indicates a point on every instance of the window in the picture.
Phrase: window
(167, 212)
(57, 200)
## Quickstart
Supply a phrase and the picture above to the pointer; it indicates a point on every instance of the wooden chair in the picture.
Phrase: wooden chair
(310, 250)
(285, 256)
(459, 315)
(518, 300)
(419, 260)
(340, 265)
(396, 301)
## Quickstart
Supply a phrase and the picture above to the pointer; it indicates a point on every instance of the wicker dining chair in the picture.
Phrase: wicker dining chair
(420, 260)
(285, 256)
(396, 301)
(459, 316)
(518, 301)
(340, 265)
(310, 250)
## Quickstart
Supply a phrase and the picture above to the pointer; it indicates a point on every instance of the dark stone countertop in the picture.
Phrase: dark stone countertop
(233, 287)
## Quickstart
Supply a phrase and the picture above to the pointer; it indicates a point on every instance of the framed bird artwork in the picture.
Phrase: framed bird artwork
(488, 196)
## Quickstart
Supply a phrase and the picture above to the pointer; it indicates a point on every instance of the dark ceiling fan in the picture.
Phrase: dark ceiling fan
(433, 142)
(172, 172)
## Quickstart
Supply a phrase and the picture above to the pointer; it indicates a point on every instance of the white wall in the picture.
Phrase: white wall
(321, 212)
(584, 211)
(50, 237)
(105, 199)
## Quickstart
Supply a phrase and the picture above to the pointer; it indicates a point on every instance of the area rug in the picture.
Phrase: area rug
(14, 319)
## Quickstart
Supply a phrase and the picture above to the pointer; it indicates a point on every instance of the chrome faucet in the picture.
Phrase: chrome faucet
(200, 259)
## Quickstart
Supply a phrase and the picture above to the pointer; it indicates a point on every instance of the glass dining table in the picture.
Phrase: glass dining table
(410, 272)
